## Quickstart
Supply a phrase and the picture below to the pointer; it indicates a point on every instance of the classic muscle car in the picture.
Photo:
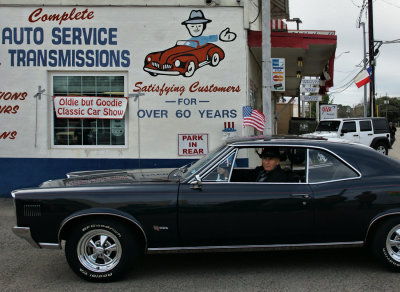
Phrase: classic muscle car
(340, 195)
(183, 59)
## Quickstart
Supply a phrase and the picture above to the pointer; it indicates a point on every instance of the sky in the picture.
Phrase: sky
(341, 16)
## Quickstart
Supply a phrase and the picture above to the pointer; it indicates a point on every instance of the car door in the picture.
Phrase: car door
(349, 132)
(342, 201)
(366, 132)
(227, 213)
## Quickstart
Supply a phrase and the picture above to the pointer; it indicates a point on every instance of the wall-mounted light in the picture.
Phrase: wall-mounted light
(298, 74)
(300, 62)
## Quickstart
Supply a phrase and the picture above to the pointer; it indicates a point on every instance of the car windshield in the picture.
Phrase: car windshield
(331, 126)
(201, 162)
(188, 43)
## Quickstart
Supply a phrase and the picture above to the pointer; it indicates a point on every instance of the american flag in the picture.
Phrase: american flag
(253, 118)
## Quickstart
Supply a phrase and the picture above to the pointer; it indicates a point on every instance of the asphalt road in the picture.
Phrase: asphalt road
(23, 268)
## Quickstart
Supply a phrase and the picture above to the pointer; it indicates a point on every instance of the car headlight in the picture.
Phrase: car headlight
(148, 59)
(177, 63)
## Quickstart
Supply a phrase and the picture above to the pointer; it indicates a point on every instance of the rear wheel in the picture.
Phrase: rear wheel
(215, 59)
(386, 244)
(101, 250)
(381, 147)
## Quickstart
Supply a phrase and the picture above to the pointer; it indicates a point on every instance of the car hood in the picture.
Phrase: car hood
(108, 177)
(171, 53)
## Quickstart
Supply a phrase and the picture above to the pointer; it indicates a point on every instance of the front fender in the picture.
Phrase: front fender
(68, 222)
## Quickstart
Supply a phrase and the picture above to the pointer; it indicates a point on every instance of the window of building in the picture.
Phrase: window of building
(90, 132)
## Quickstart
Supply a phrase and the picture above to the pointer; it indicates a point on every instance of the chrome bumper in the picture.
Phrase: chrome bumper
(25, 233)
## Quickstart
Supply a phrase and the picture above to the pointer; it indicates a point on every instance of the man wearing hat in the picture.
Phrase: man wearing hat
(270, 170)
(197, 23)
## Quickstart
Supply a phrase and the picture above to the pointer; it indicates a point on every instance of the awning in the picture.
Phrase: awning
(315, 48)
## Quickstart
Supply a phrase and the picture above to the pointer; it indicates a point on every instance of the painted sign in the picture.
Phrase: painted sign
(90, 107)
(317, 32)
(192, 144)
(186, 87)
(278, 74)
(316, 97)
(328, 111)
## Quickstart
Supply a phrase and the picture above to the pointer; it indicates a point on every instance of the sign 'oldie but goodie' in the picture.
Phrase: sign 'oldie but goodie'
(90, 107)
(192, 144)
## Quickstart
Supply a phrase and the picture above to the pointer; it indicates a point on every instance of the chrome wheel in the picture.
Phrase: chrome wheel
(393, 243)
(99, 250)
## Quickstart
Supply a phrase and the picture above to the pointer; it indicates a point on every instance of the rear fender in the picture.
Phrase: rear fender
(378, 140)
(378, 220)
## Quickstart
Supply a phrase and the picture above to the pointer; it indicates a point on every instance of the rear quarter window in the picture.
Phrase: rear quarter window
(380, 126)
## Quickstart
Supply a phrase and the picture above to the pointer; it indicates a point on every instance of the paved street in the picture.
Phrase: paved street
(395, 152)
(24, 268)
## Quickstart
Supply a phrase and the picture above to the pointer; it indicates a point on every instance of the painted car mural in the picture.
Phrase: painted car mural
(183, 59)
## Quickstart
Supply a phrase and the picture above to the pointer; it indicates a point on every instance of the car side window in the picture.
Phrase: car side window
(365, 126)
(323, 167)
(222, 171)
(290, 165)
(349, 127)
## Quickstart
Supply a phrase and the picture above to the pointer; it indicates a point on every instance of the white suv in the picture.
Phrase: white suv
(373, 132)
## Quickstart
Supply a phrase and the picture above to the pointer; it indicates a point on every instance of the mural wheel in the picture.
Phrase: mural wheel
(190, 69)
(153, 74)
(215, 59)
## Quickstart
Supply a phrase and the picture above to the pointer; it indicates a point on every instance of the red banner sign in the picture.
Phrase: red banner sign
(90, 107)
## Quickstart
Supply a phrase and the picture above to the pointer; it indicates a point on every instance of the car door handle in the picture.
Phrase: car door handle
(304, 196)
(370, 134)
(355, 135)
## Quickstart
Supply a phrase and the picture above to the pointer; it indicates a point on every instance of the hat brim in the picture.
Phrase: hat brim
(196, 21)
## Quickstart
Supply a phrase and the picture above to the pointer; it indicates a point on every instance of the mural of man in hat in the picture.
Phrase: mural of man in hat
(197, 23)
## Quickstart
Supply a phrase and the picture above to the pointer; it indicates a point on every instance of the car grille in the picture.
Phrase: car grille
(167, 66)
(155, 64)
(32, 211)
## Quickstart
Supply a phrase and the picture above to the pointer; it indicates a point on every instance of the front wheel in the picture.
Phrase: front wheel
(101, 250)
(386, 244)
(381, 148)
(190, 69)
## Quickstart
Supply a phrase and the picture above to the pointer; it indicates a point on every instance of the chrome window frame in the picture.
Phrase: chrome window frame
(231, 148)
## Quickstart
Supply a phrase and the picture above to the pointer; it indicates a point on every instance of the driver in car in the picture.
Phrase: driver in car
(270, 169)
(197, 23)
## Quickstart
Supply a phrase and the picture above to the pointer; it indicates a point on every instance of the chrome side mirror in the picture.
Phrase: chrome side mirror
(196, 184)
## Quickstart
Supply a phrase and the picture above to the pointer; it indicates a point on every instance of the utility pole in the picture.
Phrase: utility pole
(266, 66)
(371, 56)
(365, 67)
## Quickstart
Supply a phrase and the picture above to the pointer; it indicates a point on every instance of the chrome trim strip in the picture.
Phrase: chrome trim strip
(204, 63)
(98, 213)
(49, 245)
(161, 72)
(264, 143)
(254, 247)
(25, 233)
(376, 219)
